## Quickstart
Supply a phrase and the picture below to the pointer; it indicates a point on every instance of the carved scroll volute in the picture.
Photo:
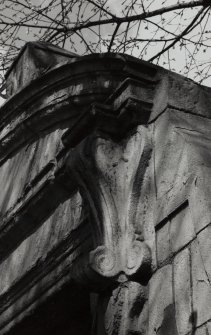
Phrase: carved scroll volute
(110, 175)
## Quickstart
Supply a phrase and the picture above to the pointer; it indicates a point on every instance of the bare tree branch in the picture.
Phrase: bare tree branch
(113, 37)
(142, 28)
(178, 38)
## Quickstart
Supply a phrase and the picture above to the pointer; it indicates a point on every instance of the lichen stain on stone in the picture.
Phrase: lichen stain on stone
(168, 326)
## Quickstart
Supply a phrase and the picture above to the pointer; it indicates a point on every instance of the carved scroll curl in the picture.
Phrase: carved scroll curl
(109, 178)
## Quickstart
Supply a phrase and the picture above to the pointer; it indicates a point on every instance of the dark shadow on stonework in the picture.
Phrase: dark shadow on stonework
(137, 307)
(193, 321)
(168, 326)
(66, 312)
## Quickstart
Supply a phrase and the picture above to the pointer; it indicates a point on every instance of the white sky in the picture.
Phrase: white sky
(178, 55)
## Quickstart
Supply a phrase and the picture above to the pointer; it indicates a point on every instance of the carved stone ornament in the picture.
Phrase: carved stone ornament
(108, 178)
(109, 166)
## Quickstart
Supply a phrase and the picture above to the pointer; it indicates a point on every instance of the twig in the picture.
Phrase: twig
(113, 37)
(185, 31)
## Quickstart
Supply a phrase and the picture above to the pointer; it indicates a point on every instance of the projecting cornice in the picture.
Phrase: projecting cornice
(63, 93)
(58, 97)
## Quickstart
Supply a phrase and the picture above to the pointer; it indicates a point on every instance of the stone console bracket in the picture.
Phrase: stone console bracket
(106, 171)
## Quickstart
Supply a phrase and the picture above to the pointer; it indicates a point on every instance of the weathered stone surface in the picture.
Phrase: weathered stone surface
(201, 330)
(123, 310)
(163, 243)
(201, 287)
(33, 61)
(181, 94)
(169, 322)
(172, 202)
(17, 173)
(111, 184)
(200, 203)
(137, 150)
(204, 238)
(189, 96)
(160, 298)
(181, 229)
(37, 246)
(145, 220)
(182, 291)
(208, 326)
(42, 264)
(170, 151)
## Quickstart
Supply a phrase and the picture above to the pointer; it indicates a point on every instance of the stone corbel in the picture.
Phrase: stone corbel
(108, 161)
